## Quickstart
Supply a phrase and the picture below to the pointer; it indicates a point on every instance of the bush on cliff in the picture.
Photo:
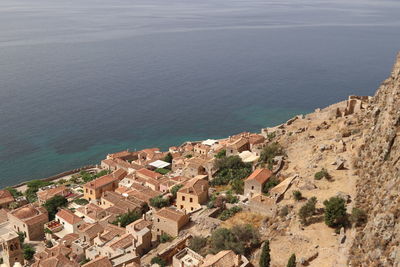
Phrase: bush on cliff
(335, 212)
(307, 210)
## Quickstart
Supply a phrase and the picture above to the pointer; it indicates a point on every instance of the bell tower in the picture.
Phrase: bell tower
(11, 250)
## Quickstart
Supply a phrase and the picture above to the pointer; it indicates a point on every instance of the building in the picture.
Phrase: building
(125, 204)
(101, 261)
(192, 195)
(148, 174)
(6, 198)
(254, 184)
(69, 220)
(187, 258)
(263, 205)
(141, 231)
(197, 166)
(169, 221)
(29, 220)
(236, 146)
(57, 256)
(45, 195)
(94, 189)
(11, 250)
(225, 258)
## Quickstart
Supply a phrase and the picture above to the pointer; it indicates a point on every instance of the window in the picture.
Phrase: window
(158, 220)
(191, 200)
(87, 190)
(252, 188)
(191, 208)
(183, 198)
(181, 207)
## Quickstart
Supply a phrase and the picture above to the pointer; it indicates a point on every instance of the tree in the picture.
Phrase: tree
(307, 210)
(127, 218)
(335, 212)
(237, 186)
(168, 158)
(159, 202)
(270, 152)
(21, 237)
(197, 243)
(292, 261)
(14, 192)
(175, 189)
(158, 260)
(240, 238)
(358, 216)
(271, 183)
(230, 168)
(265, 257)
(29, 251)
(297, 195)
(53, 204)
(221, 154)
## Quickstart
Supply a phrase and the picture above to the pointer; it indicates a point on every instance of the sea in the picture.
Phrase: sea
(83, 78)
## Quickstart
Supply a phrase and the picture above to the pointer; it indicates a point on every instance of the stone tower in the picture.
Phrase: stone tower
(11, 250)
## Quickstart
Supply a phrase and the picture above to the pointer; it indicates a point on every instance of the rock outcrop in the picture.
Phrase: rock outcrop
(378, 243)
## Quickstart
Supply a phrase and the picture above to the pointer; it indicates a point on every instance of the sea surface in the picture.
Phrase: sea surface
(83, 78)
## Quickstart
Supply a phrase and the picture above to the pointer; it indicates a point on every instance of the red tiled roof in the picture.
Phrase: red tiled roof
(170, 214)
(260, 175)
(101, 261)
(68, 216)
(100, 182)
(148, 173)
(5, 197)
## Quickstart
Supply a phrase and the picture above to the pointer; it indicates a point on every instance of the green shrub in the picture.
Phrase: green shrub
(14, 192)
(81, 201)
(175, 189)
(162, 171)
(168, 158)
(297, 195)
(221, 154)
(229, 169)
(29, 251)
(226, 214)
(164, 238)
(283, 212)
(159, 261)
(358, 217)
(307, 210)
(335, 212)
(127, 218)
(323, 173)
(159, 202)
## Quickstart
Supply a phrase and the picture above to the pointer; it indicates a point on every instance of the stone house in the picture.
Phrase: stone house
(236, 146)
(201, 150)
(11, 250)
(253, 185)
(69, 220)
(263, 205)
(45, 195)
(29, 220)
(102, 261)
(169, 221)
(192, 195)
(141, 231)
(187, 258)
(225, 258)
(198, 166)
(148, 174)
(6, 199)
(94, 189)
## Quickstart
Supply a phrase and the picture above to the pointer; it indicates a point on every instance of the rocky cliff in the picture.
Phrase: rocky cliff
(378, 243)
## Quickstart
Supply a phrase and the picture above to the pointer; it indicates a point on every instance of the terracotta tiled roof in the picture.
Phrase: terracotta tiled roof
(148, 173)
(49, 193)
(119, 174)
(5, 197)
(260, 175)
(170, 214)
(92, 211)
(256, 139)
(195, 186)
(122, 242)
(57, 261)
(68, 239)
(140, 224)
(101, 261)
(91, 229)
(239, 143)
(68, 216)
(224, 258)
(30, 214)
(100, 182)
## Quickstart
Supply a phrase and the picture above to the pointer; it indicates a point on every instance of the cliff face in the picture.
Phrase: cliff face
(378, 243)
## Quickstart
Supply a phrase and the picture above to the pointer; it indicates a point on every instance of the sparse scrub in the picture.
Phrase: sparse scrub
(297, 195)
(307, 210)
(323, 173)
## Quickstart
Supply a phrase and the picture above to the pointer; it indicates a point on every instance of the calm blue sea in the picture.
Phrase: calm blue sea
(80, 79)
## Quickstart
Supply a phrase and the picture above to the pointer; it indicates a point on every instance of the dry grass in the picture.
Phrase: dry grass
(244, 217)
(221, 188)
